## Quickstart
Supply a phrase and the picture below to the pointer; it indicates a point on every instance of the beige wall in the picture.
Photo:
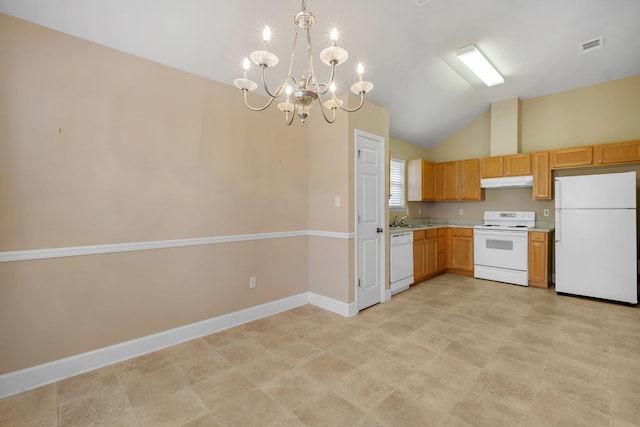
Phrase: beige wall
(470, 142)
(331, 175)
(598, 114)
(98, 147)
(400, 149)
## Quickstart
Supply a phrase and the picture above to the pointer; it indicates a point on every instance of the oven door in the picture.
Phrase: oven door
(501, 249)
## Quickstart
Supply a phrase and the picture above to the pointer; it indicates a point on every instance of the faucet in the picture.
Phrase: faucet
(398, 222)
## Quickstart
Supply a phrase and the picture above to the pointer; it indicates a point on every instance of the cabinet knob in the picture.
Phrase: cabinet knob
(600, 161)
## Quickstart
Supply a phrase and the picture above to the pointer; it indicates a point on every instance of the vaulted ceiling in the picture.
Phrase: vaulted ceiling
(408, 46)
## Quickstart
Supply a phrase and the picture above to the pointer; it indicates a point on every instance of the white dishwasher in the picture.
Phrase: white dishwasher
(401, 260)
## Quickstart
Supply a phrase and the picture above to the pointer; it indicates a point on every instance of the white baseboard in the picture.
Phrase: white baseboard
(387, 295)
(36, 376)
(332, 305)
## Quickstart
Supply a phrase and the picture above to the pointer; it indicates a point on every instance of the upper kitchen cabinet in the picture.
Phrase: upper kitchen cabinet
(541, 175)
(518, 164)
(500, 166)
(618, 153)
(461, 180)
(421, 181)
(492, 167)
(450, 176)
(571, 157)
(470, 180)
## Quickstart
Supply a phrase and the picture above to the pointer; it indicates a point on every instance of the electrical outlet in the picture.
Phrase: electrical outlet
(337, 201)
(460, 212)
(419, 211)
(546, 212)
(252, 282)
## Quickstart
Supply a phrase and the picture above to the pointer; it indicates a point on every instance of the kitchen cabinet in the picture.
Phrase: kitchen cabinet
(439, 182)
(492, 167)
(501, 166)
(617, 153)
(539, 258)
(517, 164)
(460, 251)
(442, 250)
(541, 175)
(419, 258)
(461, 180)
(425, 254)
(450, 172)
(470, 180)
(571, 157)
(421, 180)
(431, 252)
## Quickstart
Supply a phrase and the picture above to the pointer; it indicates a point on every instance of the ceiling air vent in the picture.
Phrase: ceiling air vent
(421, 2)
(591, 45)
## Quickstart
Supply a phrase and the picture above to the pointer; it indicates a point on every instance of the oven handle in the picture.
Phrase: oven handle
(500, 233)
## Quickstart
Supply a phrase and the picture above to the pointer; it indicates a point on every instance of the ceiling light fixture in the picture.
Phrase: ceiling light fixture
(481, 67)
(299, 95)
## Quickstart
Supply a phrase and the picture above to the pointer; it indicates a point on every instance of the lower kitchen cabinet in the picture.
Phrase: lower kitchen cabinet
(425, 254)
(442, 250)
(539, 258)
(419, 258)
(460, 251)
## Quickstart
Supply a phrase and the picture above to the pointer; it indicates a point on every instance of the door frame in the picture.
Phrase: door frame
(381, 210)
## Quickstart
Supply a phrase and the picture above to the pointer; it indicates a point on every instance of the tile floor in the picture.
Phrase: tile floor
(453, 351)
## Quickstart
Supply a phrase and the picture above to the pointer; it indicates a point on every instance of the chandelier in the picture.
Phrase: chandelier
(299, 95)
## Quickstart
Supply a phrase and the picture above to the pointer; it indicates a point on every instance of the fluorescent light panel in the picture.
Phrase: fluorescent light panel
(481, 67)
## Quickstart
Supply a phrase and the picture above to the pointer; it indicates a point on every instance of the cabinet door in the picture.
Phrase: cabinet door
(428, 181)
(450, 184)
(492, 167)
(518, 165)
(431, 252)
(439, 182)
(538, 257)
(419, 267)
(618, 153)
(541, 175)
(572, 157)
(470, 180)
(442, 249)
(462, 250)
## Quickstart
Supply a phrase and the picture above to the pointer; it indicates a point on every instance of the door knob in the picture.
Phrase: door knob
(379, 230)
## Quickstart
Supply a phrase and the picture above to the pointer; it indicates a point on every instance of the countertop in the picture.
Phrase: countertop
(545, 228)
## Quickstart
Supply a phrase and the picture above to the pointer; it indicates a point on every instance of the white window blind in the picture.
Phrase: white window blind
(396, 185)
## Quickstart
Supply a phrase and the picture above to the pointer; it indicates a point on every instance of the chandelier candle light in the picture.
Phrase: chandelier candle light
(298, 95)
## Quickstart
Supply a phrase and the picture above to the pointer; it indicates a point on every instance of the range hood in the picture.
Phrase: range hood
(507, 182)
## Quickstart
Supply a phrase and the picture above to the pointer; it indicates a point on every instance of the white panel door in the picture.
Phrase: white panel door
(369, 219)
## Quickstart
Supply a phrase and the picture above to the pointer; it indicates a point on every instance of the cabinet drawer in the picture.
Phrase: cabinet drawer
(431, 234)
(418, 235)
(442, 232)
(537, 236)
(467, 232)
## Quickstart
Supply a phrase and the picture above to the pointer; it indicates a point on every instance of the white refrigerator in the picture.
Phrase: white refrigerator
(596, 236)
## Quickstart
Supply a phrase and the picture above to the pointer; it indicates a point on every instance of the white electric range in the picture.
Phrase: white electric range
(500, 246)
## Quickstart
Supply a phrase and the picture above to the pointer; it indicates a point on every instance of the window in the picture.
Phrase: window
(396, 185)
